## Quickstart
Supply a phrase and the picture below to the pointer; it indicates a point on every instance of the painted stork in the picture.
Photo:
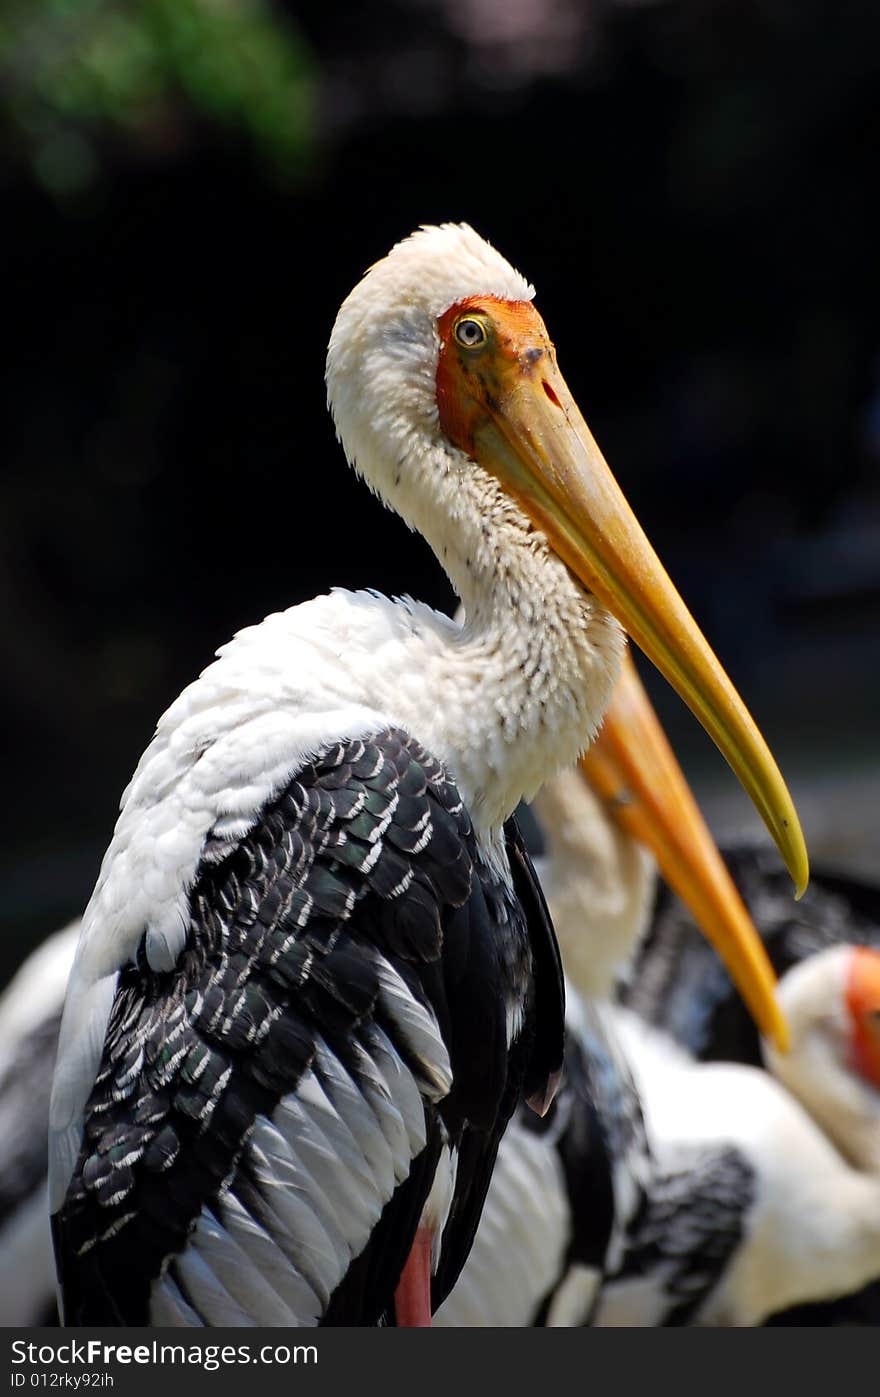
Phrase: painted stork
(594, 1216)
(779, 1174)
(315, 974)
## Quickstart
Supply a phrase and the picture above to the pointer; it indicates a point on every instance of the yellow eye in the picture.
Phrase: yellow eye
(470, 333)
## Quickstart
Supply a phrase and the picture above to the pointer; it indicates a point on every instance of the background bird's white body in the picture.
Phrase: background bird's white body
(812, 1137)
(526, 1225)
(30, 1011)
(805, 1194)
(813, 1227)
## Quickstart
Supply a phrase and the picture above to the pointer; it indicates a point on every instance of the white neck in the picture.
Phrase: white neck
(598, 881)
(513, 694)
(517, 692)
(817, 1070)
(533, 666)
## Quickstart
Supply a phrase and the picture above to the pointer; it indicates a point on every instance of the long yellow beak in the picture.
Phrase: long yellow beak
(633, 769)
(508, 405)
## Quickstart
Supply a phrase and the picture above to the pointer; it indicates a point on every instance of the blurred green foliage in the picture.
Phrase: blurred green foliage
(78, 76)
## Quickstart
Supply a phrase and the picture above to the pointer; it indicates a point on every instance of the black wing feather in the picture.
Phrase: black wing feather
(548, 1050)
(367, 857)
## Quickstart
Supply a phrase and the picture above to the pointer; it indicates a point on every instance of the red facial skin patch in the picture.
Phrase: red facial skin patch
(863, 1003)
(470, 382)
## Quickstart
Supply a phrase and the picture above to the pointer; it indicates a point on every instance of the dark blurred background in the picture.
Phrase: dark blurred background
(189, 189)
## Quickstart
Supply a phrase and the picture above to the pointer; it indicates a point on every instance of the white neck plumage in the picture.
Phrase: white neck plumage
(817, 1070)
(599, 883)
(534, 662)
(512, 694)
(515, 693)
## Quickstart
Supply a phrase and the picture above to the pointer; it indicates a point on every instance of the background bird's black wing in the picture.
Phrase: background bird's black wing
(262, 1132)
(859, 1310)
(688, 1227)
